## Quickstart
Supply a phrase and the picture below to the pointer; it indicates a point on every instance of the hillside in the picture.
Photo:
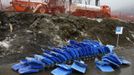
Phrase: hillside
(26, 33)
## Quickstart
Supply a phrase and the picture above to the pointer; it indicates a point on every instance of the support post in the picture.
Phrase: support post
(118, 37)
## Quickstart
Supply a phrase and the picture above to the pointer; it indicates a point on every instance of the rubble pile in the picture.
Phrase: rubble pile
(27, 33)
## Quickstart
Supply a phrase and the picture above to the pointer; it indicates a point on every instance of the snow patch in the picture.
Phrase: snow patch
(47, 20)
(28, 31)
(132, 35)
(96, 19)
(6, 43)
(99, 20)
(129, 40)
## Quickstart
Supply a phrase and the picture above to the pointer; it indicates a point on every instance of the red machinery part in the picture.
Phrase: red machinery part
(51, 6)
(91, 11)
(59, 6)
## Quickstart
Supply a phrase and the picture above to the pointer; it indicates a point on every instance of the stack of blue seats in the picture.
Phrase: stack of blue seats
(73, 51)
(111, 61)
(62, 69)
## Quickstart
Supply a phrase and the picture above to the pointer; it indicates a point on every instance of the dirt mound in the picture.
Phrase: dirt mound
(26, 33)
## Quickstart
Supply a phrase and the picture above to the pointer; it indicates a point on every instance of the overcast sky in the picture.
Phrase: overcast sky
(117, 4)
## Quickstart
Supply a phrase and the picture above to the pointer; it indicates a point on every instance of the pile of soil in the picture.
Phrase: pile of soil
(27, 33)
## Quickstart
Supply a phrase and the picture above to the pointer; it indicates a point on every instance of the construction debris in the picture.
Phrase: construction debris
(110, 62)
(75, 50)
(62, 69)
(29, 65)
(30, 36)
(79, 66)
(104, 66)
(28, 33)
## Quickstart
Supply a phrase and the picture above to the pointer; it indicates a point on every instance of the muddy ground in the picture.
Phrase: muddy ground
(25, 34)
(5, 69)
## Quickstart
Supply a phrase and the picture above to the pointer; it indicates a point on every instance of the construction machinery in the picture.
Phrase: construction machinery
(45, 6)
(73, 7)
(83, 8)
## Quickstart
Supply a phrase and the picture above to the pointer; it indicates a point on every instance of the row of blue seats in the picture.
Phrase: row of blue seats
(73, 51)
(64, 69)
